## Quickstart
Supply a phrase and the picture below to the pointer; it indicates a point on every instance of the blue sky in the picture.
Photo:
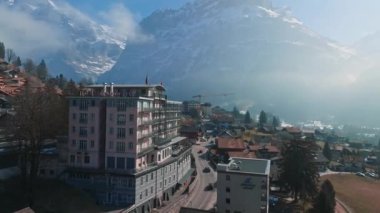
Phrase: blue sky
(345, 21)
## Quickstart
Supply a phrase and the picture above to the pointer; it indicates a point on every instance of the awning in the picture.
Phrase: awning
(186, 176)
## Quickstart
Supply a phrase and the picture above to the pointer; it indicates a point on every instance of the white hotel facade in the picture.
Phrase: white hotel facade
(124, 146)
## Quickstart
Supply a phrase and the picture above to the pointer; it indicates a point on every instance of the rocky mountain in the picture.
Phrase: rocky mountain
(89, 49)
(264, 55)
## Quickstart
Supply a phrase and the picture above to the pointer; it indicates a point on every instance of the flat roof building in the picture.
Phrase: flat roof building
(243, 186)
(124, 146)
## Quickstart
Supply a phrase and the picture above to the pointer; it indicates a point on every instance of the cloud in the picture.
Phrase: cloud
(124, 23)
(27, 35)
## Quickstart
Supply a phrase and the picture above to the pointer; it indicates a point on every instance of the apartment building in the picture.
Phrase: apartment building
(124, 146)
(243, 186)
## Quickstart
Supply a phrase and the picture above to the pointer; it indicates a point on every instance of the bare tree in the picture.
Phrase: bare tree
(10, 55)
(40, 114)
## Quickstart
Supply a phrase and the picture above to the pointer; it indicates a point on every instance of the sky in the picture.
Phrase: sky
(345, 21)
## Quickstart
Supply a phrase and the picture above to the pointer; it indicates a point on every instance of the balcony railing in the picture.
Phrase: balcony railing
(145, 151)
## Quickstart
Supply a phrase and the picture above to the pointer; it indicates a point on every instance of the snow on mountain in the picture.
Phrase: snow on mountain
(90, 49)
(247, 47)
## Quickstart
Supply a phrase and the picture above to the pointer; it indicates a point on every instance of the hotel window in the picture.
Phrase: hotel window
(130, 145)
(83, 145)
(74, 102)
(130, 131)
(83, 104)
(92, 116)
(73, 129)
(83, 118)
(130, 163)
(73, 142)
(120, 133)
(83, 131)
(120, 164)
(146, 192)
(74, 116)
(228, 177)
(72, 158)
(120, 147)
(92, 130)
(151, 176)
(111, 117)
(121, 105)
(146, 178)
(140, 196)
(93, 103)
(111, 130)
(121, 119)
(131, 117)
(86, 159)
(228, 200)
(110, 162)
(92, 143)
(110, 145)
(228, 189)
(142, 180)
(151, 189)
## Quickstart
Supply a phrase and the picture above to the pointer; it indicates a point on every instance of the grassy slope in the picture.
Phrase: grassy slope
(362, 194)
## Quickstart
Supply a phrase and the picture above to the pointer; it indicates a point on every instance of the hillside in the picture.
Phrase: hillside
(264, 55)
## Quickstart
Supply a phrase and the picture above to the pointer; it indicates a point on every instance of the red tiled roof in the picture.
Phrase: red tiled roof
(230, 143)
(242, 154)
(269, 147)
(293, 130)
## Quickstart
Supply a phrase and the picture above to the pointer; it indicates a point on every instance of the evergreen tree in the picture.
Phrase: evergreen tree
(275, 122)
(247, 118)
(298, 171)
(71, 88)
(235, 112)
(327, 151)
(41, 71)
(29, 66)
(17, 61)
(62, 81)
(2, 50)
(325, 200)
(262, 119)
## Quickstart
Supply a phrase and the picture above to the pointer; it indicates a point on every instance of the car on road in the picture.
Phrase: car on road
(361, 174)
(273, 200)
(209, 187)
(206, 170)
(200, 151)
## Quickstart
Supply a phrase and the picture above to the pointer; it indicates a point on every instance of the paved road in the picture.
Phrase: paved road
(199, 198)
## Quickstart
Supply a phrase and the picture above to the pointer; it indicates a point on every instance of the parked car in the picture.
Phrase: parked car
(361, 174)
(273, 200)
(209, 187)
(206, 170)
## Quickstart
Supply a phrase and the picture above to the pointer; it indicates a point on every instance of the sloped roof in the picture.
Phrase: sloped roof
(230, 143)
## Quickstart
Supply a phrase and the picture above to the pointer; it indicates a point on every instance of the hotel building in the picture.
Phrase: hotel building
(124, 146)
(243, 186)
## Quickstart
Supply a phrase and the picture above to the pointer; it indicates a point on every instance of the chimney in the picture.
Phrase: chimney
(112, 89)
(105, 89)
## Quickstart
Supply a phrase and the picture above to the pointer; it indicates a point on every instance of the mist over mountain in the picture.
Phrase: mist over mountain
(71, 42)
(264, 55)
